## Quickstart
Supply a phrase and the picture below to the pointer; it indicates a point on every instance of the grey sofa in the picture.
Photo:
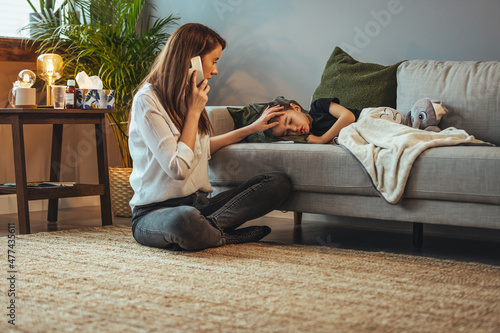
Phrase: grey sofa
(458, 185)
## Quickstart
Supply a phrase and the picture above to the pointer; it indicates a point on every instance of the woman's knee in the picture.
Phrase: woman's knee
(194, 232)
(185, 222)
(281, 183)
(283, 179)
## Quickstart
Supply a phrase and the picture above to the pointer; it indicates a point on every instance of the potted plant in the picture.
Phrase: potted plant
(45, 5)
(47, 10)
(117, 40)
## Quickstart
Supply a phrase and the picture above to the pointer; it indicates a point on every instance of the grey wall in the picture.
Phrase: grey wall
(279, 47)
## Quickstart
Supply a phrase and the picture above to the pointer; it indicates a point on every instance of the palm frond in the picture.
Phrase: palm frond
(109, 38)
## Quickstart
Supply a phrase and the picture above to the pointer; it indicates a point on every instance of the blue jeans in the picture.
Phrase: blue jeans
(197, 222)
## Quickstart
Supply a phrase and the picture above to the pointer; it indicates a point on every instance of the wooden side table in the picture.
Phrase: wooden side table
(17, 118)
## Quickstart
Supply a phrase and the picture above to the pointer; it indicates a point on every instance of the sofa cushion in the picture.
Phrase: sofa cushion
(461, 173)
(312, 168)
(469, 89)
(458, 173)
(221, 119)
(357, 84)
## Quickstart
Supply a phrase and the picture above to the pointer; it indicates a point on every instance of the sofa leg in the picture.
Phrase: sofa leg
(418, 234)
(297, 218)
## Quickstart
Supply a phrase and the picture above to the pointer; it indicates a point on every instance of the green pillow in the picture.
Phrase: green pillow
(357, 84)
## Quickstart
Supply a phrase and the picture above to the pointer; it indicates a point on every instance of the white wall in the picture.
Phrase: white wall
(280, 47)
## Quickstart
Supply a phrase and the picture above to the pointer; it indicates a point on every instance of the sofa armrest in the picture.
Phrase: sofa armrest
(220, 118)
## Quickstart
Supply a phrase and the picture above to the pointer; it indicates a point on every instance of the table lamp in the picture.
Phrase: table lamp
(50, 68)
(25, 96)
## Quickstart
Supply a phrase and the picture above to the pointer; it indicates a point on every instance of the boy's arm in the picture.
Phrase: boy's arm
(344, 118)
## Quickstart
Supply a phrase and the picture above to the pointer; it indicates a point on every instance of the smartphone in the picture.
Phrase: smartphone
(196, 64)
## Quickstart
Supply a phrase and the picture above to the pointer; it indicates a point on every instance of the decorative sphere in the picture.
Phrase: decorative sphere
(26, 78)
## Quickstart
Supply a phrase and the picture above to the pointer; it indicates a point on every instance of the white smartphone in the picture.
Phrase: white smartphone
(196, 64)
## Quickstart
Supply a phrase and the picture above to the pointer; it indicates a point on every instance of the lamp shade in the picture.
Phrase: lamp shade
(49, 68)
(26, 78)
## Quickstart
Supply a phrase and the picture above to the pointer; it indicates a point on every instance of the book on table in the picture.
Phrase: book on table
(41, 184)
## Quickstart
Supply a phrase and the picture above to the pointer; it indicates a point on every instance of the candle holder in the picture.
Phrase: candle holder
(50, 68)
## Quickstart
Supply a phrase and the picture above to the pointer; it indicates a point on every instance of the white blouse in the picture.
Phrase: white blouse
(164, 168)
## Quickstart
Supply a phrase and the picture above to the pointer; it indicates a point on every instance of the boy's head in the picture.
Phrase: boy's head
(293, 122)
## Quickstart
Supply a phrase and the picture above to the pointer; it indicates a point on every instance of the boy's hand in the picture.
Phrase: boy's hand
(317, 139)
(262, 123)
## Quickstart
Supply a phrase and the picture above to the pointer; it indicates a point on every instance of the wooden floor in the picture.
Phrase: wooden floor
(458, 243)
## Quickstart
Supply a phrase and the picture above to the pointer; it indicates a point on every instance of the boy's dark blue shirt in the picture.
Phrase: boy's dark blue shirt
(322, 119)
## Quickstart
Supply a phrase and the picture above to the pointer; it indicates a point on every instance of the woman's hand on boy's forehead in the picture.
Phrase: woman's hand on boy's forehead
(274, 109)
(269, 113)
(272, 112)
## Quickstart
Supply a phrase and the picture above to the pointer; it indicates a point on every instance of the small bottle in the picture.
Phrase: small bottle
(71, 95)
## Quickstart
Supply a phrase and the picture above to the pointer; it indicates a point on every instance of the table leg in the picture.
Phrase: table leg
(21, 182)
(55, 168)
(297, 218)
(102, 167)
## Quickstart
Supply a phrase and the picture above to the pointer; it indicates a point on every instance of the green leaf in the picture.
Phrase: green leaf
(114, 39)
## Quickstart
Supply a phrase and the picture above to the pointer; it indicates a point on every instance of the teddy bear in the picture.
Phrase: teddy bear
(425, 114)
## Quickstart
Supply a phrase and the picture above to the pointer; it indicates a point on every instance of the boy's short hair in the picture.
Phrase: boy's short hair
(286, 106)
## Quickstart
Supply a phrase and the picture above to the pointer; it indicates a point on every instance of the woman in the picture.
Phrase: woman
(170, 144)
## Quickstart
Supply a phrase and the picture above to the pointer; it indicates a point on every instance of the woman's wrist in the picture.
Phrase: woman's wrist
(193, 114)
(189, 129)
(252, 128)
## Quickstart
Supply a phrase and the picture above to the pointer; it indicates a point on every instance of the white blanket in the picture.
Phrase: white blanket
(388, 149)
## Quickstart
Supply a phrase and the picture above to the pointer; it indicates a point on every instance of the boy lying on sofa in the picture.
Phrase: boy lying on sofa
(321, 124)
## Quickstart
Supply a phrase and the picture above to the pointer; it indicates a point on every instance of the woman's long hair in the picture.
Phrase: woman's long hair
(169, 73)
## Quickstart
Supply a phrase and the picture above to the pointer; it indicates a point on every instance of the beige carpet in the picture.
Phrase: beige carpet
(101, 280)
